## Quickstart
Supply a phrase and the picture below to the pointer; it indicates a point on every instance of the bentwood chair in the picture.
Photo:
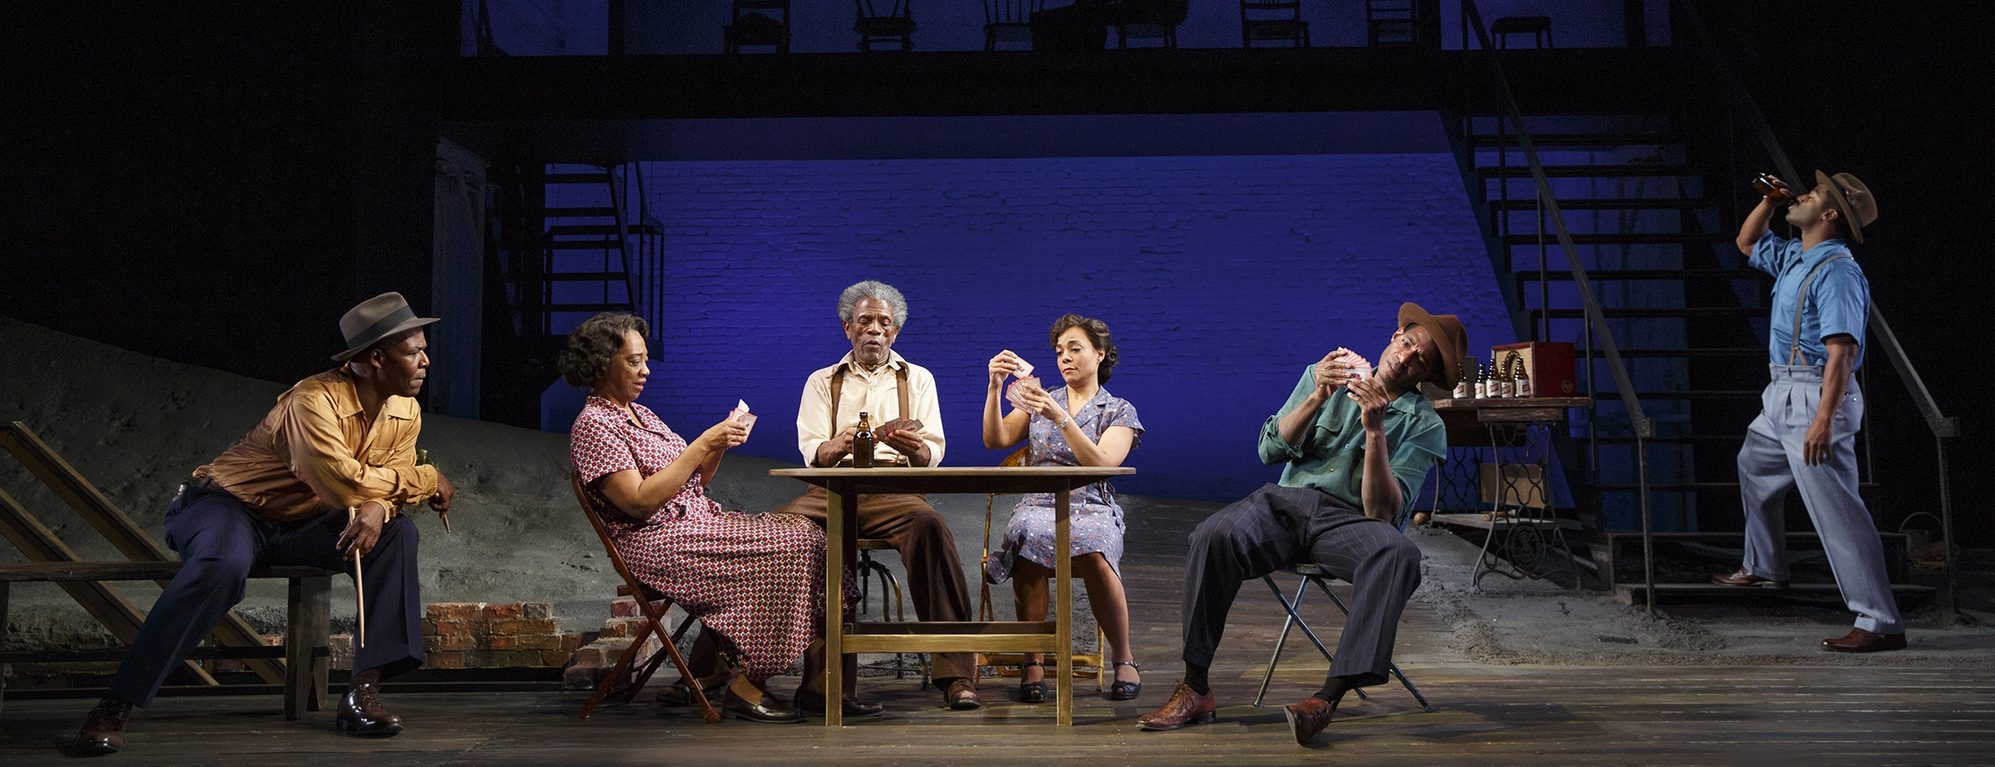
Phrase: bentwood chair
(759, 23)
(1316, 574)
(894, 26)
(1009, 21)
(1273, 21)
(627, 677)
(1084, 664)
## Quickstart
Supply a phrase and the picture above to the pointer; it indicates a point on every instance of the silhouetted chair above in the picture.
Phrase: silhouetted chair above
(895, 26)
(1538, 27)
(1147, 18)
(1273, 21)
(758, 23)
(1009, 22)
(1391, 22)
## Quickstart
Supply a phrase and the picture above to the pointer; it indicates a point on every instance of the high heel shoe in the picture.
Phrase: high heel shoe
(1031, 692)
(1120, 690)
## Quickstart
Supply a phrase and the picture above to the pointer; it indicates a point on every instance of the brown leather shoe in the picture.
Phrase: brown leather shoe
(766, 709)
(680, 693)
(850, 706)
(1186, 706)
(1307, 718)
(1859, 640)
(360, 711)
(962, 695)
(103, 729)
(1744, 577)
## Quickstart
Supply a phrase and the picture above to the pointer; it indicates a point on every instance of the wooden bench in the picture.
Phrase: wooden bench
(306, 652)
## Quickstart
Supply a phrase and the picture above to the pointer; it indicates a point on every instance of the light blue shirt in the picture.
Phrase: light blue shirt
(1838, 299)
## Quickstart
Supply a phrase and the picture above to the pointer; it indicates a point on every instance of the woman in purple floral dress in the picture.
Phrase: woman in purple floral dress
(1078, 424)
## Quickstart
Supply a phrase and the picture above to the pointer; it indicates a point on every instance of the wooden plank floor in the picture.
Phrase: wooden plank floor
(1490, 714)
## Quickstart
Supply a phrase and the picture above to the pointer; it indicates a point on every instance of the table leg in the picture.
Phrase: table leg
(1063, 628)
(835, 538)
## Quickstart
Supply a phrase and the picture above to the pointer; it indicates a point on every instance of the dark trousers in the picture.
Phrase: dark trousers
(220, 540)
(934, 573)
(1279, 526)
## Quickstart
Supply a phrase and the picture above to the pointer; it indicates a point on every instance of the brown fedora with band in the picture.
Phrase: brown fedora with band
(1448, 335)
(374, 319)
(1852, 200)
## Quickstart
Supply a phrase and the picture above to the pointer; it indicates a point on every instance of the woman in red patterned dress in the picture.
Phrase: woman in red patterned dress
(756, 580)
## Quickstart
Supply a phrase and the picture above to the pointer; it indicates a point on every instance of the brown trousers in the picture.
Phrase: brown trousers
(927, 548)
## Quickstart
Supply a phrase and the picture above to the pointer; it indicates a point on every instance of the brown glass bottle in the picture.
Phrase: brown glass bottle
(1769, 185)
(863, 443)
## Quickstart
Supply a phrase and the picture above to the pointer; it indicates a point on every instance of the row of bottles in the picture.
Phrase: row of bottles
(1495, 380)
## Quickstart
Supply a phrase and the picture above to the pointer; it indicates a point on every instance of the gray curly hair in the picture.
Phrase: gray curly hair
(876, 290)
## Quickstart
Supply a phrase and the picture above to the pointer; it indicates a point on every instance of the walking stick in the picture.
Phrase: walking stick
(359, 590)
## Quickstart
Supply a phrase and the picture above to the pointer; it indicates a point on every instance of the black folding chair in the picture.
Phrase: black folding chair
(1312, 573)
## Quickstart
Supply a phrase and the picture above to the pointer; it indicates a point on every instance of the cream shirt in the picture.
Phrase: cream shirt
(874, 393)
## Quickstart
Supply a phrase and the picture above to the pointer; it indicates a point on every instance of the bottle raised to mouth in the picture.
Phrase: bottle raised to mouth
(1770, 185)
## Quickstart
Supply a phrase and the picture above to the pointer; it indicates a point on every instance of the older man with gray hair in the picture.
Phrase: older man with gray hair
(899, 396)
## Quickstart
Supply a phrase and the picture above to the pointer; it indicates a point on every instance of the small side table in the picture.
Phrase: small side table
(1520, 524)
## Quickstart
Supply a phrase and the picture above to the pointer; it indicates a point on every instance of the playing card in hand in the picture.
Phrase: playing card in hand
(741, 415)
(1026, 384)
(895, 425)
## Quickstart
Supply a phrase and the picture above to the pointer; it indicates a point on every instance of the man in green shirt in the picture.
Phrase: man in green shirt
(1354, 443)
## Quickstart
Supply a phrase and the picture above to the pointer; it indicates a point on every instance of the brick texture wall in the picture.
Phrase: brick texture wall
(1221, 277)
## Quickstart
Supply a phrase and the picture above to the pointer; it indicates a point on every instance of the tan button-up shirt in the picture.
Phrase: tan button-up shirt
(316, 451)
(873, 392)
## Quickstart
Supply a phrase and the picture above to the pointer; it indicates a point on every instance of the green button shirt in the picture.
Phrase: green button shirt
(1331, 457)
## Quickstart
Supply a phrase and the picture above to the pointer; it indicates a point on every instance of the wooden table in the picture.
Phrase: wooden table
(1529, 532)
(846, 487)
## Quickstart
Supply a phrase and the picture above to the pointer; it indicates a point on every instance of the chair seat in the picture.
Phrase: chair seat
(874, 544)
(884, 26)
(1309, 568)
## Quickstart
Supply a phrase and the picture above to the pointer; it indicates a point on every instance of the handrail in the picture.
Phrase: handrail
(1643, 426)
(1943, 426)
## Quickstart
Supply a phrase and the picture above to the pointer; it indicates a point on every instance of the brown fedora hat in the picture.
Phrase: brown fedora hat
(374, 319)
(1852, 200)
(1448, 335)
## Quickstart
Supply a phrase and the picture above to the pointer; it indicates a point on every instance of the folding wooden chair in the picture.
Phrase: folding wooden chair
(626, 678)
(1312, 573)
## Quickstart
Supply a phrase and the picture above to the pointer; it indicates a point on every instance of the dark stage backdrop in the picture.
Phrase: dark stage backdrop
(1221, 277)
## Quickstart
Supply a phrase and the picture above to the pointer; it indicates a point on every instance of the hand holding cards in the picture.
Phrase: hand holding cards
(1018, 389)
(741, 415)
(887, 429)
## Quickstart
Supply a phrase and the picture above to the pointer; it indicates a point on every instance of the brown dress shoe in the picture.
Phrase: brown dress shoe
(103, 729)
(1744, 577)
(361, 713)
(765, 709)
(962, 695)
(1859, 640)
(850, 706)
(1307, 718)
(1186, 706)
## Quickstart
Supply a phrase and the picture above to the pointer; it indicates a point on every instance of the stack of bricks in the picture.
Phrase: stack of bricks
(592, 660)
(482, 635)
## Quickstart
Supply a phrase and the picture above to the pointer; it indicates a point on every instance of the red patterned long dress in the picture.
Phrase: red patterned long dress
(757, 579)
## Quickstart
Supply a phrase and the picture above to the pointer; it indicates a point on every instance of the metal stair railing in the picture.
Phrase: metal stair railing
(1641, 424)
(1943, 427)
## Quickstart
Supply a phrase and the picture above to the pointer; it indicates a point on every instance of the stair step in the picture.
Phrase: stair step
(601, 177)
(605, 243)
(1690, 352)
(582, 212)
(1685, 487)
(586, 277)
(1646, 274)
(1908, 595)
(1608, 203)
(1589, 171)
(1608, 396)
(1669, 313)
(1623, 238)
(1683, 439)
(1486, 140)
(608, 230)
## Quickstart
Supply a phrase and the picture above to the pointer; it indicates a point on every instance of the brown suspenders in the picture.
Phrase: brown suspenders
(838, 388)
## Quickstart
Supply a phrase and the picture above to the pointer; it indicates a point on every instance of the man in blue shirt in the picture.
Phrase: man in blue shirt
(1354, 445)
(1805, 434)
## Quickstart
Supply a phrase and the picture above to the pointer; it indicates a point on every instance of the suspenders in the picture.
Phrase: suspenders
(838, 388)
(1800, 308)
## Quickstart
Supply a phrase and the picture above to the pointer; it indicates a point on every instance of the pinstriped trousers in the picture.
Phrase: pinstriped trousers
(1771, 462)
(1277, 526)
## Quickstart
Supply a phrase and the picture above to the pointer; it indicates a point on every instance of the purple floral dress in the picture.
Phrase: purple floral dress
(1097, 519)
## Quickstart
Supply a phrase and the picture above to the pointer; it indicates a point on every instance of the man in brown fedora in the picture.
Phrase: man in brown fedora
(1805, 434)
(1354, 443)
(343, 439)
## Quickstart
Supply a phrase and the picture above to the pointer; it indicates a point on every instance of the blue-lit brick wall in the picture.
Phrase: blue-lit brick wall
(1221, 277)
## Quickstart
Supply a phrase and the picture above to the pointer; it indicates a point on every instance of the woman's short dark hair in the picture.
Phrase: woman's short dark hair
(594, 343)
(1097, 333)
